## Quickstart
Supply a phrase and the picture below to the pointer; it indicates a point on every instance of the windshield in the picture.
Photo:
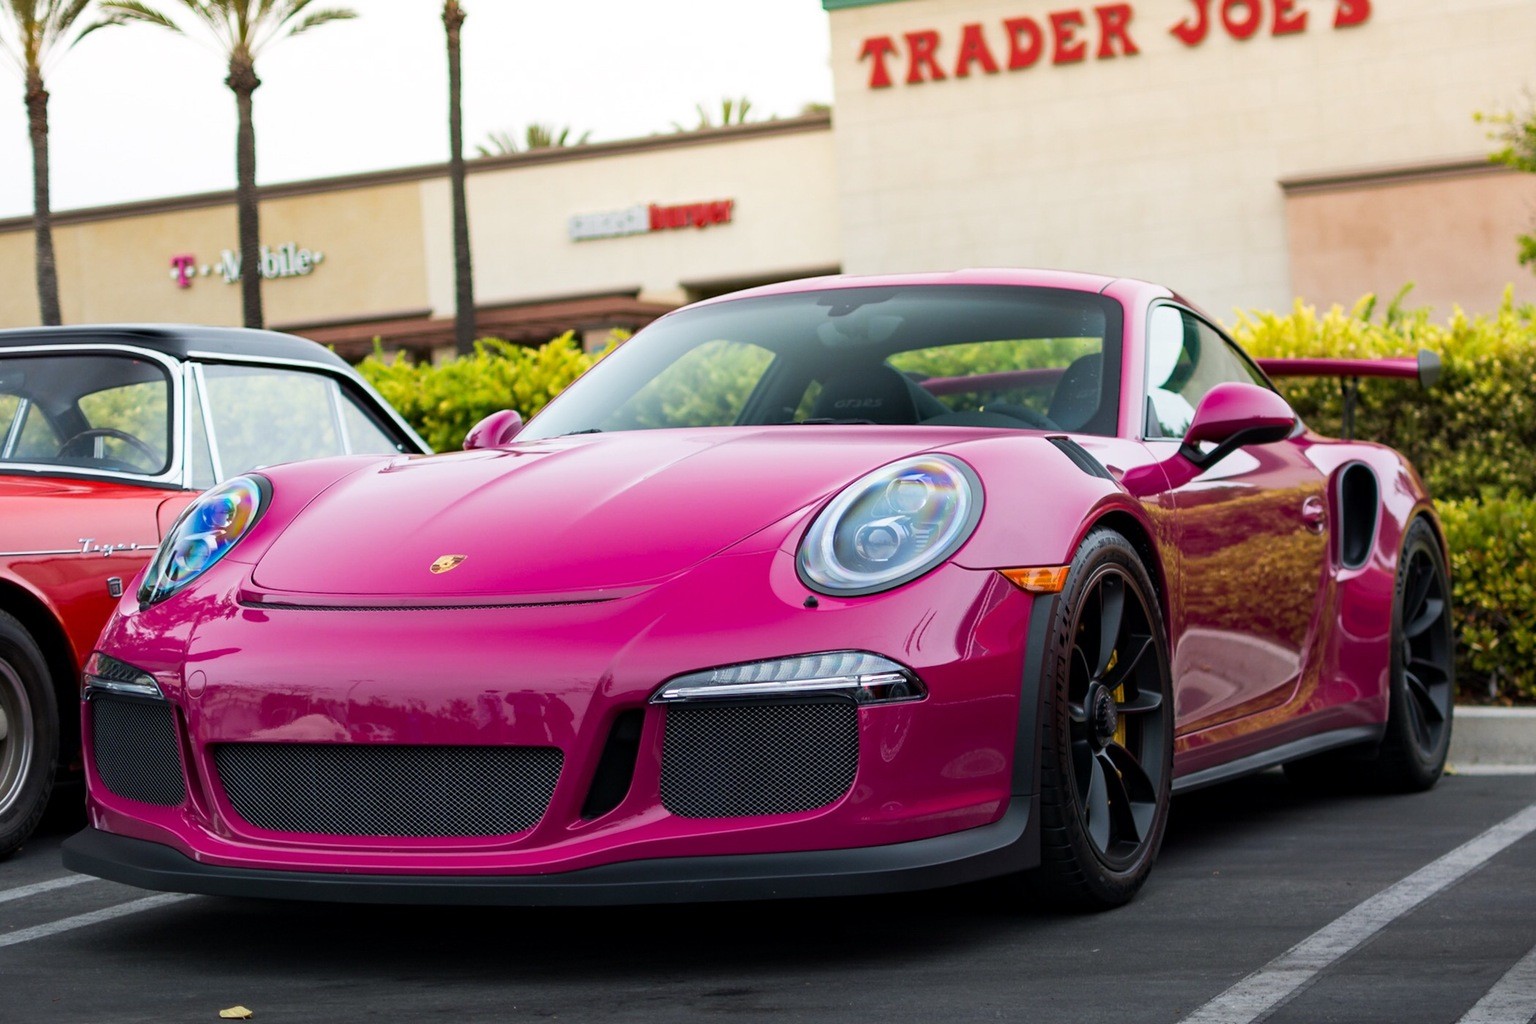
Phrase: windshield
(936, 356)
(85, 411)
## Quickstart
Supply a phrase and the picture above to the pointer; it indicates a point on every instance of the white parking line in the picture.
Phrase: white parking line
(1290, 972)
(42, 931)
(24, 891)
(1512, 1000)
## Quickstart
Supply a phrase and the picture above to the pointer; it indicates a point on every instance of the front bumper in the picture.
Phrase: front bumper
(1005, 846)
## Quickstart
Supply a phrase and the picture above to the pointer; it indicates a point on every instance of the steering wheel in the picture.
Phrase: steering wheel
(135, 443)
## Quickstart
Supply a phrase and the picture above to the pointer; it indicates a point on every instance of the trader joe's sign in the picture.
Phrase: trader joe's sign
(1073, 35)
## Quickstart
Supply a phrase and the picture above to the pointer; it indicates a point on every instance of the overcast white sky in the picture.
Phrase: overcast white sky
(138, 113)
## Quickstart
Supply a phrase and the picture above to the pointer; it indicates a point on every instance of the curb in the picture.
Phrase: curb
(1484, 738)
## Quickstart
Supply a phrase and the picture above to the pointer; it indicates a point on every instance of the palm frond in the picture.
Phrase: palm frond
(123, 12)
(322, 17)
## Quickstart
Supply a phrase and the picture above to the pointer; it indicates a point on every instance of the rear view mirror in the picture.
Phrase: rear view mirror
(495, 430)
(1232, 415)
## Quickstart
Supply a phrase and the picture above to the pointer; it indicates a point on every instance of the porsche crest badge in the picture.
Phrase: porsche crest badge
(447, 562)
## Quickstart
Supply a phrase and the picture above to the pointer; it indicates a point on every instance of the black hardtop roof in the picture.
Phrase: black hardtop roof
(178, 341)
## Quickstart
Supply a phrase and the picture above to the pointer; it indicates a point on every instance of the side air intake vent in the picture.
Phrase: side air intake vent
(1359, 504)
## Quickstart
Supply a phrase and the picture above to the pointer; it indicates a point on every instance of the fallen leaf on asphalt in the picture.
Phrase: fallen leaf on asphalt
(236, 1013)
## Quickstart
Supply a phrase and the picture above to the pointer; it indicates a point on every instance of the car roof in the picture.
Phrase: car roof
(179, 341)
(976, 276)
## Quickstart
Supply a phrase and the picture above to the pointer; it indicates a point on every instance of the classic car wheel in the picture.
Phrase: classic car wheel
(29, 735)
(1418, 736)
(1106, 757)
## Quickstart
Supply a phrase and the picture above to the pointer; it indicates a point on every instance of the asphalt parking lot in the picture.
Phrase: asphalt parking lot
(1267, 904)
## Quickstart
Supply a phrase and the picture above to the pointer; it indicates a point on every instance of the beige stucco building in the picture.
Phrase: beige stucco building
(1245, 152)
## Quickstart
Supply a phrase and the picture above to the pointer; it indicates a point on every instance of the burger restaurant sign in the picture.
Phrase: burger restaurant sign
(644, 218)
(1072, 35)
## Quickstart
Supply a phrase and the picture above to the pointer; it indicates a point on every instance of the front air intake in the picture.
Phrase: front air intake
(752, 758)
(395, 791)
(134, 746)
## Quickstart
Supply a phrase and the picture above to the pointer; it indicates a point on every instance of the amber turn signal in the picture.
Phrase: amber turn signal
(1047, 579)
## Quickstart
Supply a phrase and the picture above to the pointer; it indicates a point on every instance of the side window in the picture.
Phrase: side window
(265, 415)
(707, 387)
(36, 441)
(137, 411)
(1186, 358)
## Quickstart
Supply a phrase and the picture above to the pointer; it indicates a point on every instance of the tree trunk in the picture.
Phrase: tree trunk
(243, 82)
(42, 212)
(463, 275)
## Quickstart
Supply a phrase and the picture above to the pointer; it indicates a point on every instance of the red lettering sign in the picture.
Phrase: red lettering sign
(1115, 24)
(691, 215)
(1068, 49)
(1352, 12)
(921, 47)
(1241, 18)
(1023, 54)
(1072, 36)
(878, 47)
(1288, 20)
(973, 50)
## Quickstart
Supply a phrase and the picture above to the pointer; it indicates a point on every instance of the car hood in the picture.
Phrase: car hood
(564, 517)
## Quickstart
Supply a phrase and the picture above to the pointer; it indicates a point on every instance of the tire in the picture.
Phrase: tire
(1106, 745)
(1422, 681)
(29, 735)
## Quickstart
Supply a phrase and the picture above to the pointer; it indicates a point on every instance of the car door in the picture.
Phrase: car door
(1249, 532)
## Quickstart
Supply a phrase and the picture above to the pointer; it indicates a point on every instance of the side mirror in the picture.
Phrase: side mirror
(1232, 415)
(495, 430)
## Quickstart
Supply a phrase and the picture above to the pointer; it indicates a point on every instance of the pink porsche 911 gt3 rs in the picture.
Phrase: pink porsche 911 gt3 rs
(846, 585)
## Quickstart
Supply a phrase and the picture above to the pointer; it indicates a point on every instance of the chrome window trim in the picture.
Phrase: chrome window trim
(13, 432)
(206, 412)
(175, 473)
(334, 398)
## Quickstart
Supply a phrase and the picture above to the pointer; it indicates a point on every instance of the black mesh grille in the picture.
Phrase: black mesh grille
(726, 760)
(135, 748)
(365, 790)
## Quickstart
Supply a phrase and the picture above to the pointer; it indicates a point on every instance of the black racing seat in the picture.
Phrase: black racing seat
(877, 393)
(1075, 402)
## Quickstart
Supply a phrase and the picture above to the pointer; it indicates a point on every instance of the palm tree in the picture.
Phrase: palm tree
(731, 112)
(241, 29)
(463, 272)
(42, 28)
(535, 136)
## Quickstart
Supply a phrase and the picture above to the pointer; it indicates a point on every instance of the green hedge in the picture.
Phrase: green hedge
(1493, 569)
(1472, 434)
(443, 400)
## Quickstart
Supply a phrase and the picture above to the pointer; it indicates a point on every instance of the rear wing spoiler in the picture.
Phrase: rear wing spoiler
(1424, 368)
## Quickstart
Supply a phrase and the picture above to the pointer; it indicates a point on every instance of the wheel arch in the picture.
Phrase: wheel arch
(1134, 530)
(38, 619)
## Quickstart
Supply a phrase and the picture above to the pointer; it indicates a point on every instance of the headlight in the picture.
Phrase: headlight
(891, 526)
(864, 677)
(113, 676)
(206, 531)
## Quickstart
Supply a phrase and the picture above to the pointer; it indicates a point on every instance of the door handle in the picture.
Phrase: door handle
(1314, 513)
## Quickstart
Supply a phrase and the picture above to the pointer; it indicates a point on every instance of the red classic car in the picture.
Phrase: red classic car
(106, 433)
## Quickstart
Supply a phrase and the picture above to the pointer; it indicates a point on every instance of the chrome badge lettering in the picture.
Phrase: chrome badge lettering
(88, 546)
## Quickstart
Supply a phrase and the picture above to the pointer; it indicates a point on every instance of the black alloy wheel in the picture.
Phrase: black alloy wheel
(1106, 758)
(1418, 736)
(29, 735)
